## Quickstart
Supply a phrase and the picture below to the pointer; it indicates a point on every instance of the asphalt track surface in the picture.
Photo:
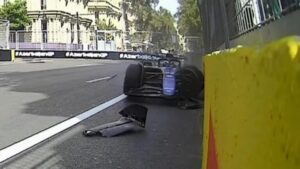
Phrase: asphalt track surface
(36, 94)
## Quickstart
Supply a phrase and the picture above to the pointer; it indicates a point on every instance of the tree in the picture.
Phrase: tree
(16, 14)
(143, 11)
(103, 25)
(189, 21)
(164, 31)
(162, 21)
(153, 26)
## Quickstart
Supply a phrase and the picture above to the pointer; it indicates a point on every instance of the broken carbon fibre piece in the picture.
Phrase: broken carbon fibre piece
(133, 118)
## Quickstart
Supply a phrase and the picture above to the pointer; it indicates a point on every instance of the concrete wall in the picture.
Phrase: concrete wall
(195, 59)
(252, 98)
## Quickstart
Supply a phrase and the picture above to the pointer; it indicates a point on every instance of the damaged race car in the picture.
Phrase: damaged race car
(165, 78)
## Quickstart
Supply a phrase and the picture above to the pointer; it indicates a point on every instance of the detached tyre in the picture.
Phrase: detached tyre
(133, 78)
(190, 82)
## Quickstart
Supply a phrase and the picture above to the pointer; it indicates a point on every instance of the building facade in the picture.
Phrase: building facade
(55, 24)
(108, 10)
(59, 21)
(68, 23)
(111, 13)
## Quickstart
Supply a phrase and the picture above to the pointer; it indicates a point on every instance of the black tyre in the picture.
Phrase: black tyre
(190, 82)
(133, 78)
(199, 75)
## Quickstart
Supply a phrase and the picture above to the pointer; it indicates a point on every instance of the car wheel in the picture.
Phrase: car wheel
(133, 78)
(190, 82)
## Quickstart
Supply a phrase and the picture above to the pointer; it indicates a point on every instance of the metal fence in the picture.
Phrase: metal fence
(52, 40)
(156, 42)
(109, 40)
(104, 40)
(252, 14)
(238, 17)
(4, 34)
(193, 44)
(152, 42)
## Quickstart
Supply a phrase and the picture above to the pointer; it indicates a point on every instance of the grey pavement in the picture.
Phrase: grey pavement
(33, 100)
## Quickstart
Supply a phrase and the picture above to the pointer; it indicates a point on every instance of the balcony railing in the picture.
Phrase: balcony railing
(103, 4)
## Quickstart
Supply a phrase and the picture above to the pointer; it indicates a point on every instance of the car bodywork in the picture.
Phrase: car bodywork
(162, 78)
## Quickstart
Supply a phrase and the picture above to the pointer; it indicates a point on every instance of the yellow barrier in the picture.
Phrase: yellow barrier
(252, 108)
(13, 56)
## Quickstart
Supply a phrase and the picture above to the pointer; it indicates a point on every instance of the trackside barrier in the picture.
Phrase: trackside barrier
(252, 107)
(86, 54)
(7, 55)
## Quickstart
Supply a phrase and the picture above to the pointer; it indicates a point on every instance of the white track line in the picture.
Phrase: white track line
(101, 79)
(27, 143)
(86, 65)
(97, 80)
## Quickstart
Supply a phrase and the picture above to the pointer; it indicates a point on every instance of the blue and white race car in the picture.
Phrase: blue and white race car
(165, 78)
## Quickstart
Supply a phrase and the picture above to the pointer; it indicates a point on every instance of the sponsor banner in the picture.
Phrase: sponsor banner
(103, 55)
(88, 54)
(138, 56)
(34, 54)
